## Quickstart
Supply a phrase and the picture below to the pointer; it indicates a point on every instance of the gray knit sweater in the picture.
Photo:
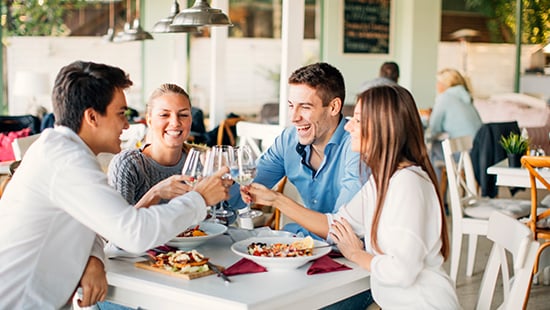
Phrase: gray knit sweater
(132, 173)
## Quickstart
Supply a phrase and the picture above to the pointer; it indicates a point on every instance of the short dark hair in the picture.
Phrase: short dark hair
(390, 70)
(326, 79)
(82, 85)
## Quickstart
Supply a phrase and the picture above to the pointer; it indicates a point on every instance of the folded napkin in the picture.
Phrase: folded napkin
(161, 249)
(243, 266)
(325, 264)
(335, 253)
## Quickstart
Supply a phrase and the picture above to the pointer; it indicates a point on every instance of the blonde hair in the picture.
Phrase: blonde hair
(163, 90)
(451, 77)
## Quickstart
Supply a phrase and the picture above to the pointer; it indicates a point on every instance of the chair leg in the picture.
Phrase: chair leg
(455, 254)
(472, 245)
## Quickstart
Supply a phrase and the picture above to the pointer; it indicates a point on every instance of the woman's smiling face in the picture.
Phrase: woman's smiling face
(170, 119)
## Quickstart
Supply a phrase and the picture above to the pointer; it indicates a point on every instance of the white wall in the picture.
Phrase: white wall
(415, 27)
(49, 54)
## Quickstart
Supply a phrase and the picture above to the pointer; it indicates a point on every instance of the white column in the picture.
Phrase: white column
(218, 67)
(292, 35)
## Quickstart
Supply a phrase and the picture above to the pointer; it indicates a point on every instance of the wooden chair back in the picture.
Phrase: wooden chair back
(225, 129)
(532, 164)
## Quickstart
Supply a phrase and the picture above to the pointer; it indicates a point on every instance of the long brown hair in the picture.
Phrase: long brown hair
(392, 138)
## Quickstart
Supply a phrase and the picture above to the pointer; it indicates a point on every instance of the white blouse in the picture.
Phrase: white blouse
(409, 273)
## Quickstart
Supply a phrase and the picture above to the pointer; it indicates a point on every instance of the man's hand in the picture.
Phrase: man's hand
(212, 188)
(258, 194)
(93, 283)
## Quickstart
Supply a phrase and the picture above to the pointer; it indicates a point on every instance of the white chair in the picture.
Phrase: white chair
(133, 136)
(469, 211)
(508, 235)
(258, 136)
(20, 145)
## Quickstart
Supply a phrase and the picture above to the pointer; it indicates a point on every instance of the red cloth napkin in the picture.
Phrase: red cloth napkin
(243, 266)
(325, 264)
(161, 249)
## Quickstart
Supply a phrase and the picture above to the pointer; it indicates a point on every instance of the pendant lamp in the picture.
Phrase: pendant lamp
(201, 14)
(134, 32)
(111, 31)
(165, 25)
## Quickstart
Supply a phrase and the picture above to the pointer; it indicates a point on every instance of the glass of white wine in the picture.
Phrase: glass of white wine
(193, 166)
(216, 158)
(243, 171)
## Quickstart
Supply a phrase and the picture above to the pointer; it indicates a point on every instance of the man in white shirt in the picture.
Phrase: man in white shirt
(58, 203)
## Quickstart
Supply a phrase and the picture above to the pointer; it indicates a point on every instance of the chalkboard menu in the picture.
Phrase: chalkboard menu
(367, 26)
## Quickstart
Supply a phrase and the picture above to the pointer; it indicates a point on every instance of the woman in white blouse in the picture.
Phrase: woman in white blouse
(398, 211)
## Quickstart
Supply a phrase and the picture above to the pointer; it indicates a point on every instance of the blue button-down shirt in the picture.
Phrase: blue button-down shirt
(325, 190)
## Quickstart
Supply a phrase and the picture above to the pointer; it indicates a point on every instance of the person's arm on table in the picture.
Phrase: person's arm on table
(349, 244)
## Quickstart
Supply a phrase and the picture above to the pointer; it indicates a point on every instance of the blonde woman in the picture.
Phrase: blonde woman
(398, 212)
(453, 114)
(152, 174)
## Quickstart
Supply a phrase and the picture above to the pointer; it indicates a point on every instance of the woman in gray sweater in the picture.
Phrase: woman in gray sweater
(152, 174)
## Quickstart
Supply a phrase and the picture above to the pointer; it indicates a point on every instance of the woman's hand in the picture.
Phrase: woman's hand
(93, 283)
(259, 194)
(172, 187)
(166, 189)
(349, 245)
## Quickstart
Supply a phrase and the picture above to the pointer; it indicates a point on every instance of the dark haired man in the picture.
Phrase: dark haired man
(58, 203)
(314, 153)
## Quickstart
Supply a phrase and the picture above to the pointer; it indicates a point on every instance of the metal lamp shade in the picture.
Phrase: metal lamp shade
(201, 14)
(136, 33)
(165, 25)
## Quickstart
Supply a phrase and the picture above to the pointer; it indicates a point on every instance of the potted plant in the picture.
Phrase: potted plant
(515, 146)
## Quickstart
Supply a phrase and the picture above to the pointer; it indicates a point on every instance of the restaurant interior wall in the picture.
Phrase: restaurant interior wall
(164, 59)
(491, 72)
(414, 35)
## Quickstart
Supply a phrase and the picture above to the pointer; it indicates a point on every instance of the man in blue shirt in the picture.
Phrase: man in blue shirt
(314, 153)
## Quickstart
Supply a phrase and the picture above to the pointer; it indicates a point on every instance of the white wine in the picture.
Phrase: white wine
(244, 176)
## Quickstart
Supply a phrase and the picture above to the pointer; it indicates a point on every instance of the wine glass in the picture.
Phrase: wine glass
(193, 166)
(216, 158)
(243, 171)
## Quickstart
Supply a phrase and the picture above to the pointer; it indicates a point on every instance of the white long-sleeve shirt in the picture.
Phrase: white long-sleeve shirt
(409, 273)
(52, 212)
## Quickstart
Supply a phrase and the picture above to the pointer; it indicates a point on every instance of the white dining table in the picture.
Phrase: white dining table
(275, 289)
(515, 177)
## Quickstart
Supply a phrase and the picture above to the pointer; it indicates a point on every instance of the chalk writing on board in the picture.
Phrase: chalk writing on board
(367, 26)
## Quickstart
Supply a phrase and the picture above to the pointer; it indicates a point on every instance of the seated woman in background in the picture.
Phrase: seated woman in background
(454, 114)
(398, 211)
(152, 173)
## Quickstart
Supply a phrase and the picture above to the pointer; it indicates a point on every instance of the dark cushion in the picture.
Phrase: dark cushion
(9, 123)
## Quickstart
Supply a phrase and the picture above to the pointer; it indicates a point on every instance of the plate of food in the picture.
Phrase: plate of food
(197, 235)
(184, 264)
(281, 253)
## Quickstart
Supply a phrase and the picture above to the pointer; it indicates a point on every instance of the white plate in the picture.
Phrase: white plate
(210, 228)
(278, 263)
